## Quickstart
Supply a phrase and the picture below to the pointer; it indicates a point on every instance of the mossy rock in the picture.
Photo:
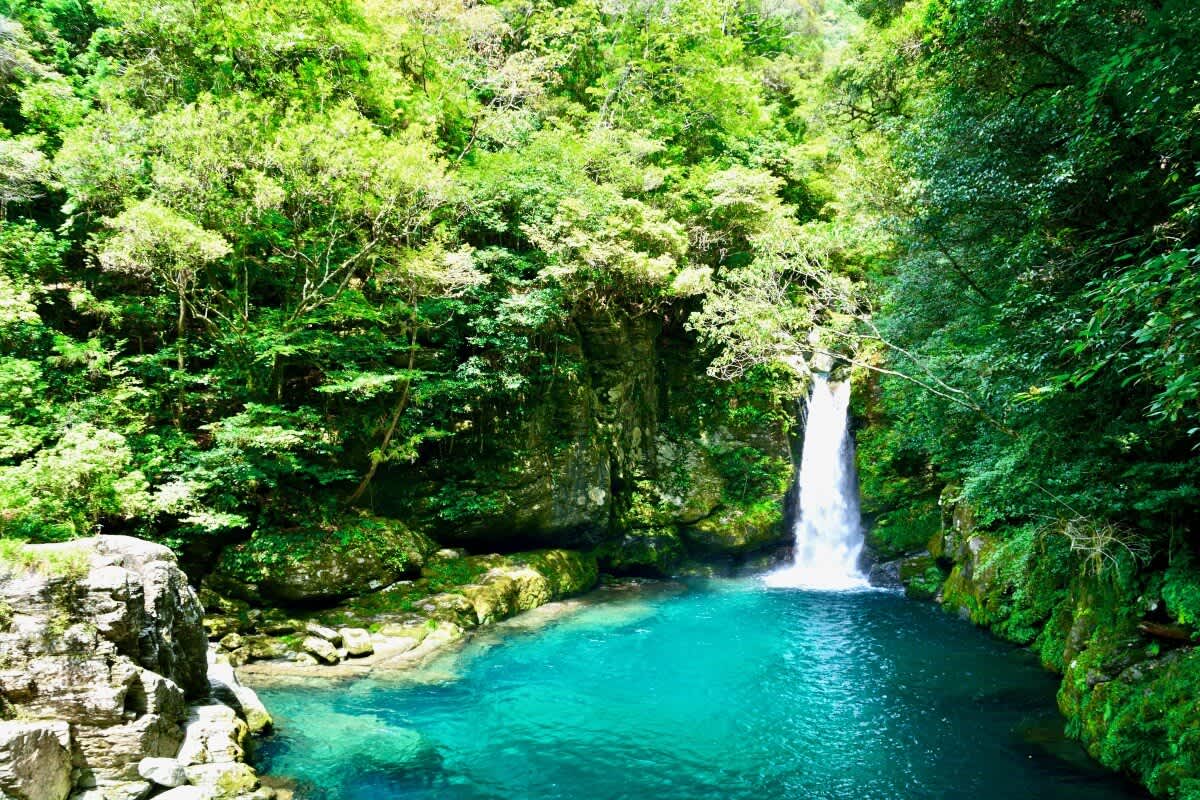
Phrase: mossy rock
(569, 572)
(904, 531)
(737, 530)
(363, 554)
(921, 576)
(655, 552)
(1143, 720)
(508, 585)
(503, 593)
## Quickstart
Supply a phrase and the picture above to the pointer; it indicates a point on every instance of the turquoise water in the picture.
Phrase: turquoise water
(726, 690)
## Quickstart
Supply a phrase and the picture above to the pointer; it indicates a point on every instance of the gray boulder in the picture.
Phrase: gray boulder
(328, 634)
(227, 689)
(321, 649)
(166, 772)
(214, 735)
(357, 641)
(185, 793)
(35, 760)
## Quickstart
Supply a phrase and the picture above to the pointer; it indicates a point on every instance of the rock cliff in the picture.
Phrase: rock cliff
(632, 450)
(104, 677)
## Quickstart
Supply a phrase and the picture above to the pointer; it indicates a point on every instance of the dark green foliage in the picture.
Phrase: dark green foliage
(905, 530)
(1043, 267)
(1033, 177)
(749, 474)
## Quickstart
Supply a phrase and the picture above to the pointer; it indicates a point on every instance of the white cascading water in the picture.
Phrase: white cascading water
(828, 530)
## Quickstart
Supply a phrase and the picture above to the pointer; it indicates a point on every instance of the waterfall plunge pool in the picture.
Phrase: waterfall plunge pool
(728, 690)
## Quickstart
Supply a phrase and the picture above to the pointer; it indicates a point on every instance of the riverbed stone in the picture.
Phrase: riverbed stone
(320, 631)
(166, 772)
(320, 649)
(505, 591)
(449, 607)
(116, 790)
(213, 734)
(35, 760)
(227, 689)
(185, 793)
(357, 641)
(232, 641)
(266, 647)
(218, 627)
(223, 781)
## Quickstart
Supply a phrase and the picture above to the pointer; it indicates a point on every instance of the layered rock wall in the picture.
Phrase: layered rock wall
(103, 665)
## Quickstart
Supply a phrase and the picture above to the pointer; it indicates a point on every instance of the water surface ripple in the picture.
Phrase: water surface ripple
(728, 690)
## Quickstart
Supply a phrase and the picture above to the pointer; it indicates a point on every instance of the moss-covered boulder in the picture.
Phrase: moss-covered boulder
(359, 555)
(1139, 717)
(737, 529)
(569, 572)
(524, 581)
(921, 576)
(507, 590)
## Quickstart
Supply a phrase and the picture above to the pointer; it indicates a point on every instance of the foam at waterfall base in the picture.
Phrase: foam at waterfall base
(795, 576)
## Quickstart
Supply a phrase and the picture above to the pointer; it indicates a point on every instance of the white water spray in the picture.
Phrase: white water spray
(828, 531)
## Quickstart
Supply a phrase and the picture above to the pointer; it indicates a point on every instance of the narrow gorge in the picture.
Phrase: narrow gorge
(542, 399)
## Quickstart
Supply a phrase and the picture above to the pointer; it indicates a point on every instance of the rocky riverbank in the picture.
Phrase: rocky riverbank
(1124, 641)
(400, 624)
(109, 690)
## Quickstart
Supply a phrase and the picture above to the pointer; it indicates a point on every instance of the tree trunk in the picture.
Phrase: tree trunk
(393, 423)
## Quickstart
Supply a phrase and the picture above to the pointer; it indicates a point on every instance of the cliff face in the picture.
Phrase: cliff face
(630, 449)
(104, 675)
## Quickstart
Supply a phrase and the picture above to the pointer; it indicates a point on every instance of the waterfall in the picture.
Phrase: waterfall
(828, 530)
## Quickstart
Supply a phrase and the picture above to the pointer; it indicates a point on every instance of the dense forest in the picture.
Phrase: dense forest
(306, 265)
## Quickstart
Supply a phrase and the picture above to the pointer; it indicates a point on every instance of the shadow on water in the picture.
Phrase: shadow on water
(726, 690)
